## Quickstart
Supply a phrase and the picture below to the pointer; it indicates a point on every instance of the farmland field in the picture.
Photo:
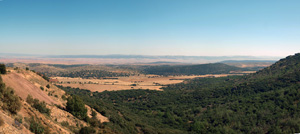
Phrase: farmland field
(151, 82)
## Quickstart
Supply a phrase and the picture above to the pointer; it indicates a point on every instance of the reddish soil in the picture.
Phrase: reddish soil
(23, 87)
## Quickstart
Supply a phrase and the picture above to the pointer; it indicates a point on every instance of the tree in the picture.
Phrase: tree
(2, 69)
(76, 107)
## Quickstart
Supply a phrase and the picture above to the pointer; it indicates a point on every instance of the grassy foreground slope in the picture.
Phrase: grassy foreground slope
(265, 102)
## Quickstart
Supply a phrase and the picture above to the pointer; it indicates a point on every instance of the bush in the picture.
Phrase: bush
(48, 86)
(94, 122)
(87, 130)
(63, 97)
(36, 127)
(65, 123)
(29, 99)
(42, 88)
(40, 106)
(11, 102)
(2, 69)
(19, 118)
(133, 85)
(94, 114)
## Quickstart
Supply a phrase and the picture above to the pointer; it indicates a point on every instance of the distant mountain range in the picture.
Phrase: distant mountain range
(140, 58)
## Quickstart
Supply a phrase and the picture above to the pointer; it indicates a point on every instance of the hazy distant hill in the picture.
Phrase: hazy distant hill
(221, 58)
(121, 59)
(250, 64)
(214, 68)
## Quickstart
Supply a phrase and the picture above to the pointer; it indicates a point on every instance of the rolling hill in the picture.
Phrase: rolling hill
(201, 69)
(45, 112)
(264, 102)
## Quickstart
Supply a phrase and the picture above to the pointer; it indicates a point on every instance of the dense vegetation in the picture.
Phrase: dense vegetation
(265, 102)
(215, 68)
(76, 106)
(86, 74)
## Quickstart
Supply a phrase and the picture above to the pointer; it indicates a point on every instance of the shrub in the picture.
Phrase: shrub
(87, 130)
(11, 102)
(94, 122)
(41, 107)
(65, 123)
(29, 99)
(48, 86)
(19, 118)
(94, 114)
(42, 88)
(133, 85)
(36, 127)
(63, 97)
(2, 69)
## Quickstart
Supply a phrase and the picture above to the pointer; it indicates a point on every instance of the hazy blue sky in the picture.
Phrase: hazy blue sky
(150, 27)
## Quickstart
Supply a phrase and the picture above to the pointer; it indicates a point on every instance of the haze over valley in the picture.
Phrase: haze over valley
(149, 67)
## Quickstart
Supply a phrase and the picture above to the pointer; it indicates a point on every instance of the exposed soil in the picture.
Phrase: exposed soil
(23, 87)
(151, 82)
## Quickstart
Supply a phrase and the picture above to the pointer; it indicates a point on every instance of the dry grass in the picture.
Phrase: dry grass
(26, 82)
(151, 82)
(24, 87)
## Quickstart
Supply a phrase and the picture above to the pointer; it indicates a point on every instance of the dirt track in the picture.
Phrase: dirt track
(23, 87)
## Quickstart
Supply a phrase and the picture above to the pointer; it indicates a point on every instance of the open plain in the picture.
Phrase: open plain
(151, 82)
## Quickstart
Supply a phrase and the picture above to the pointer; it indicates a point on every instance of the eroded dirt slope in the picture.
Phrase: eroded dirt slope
(23, 87)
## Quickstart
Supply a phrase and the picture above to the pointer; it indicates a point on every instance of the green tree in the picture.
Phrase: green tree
(2, 69)
(76, 107)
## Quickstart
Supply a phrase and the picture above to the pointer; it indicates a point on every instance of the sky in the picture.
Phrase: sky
(150, 27)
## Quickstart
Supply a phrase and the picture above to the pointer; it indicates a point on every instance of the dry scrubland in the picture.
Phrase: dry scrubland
(25, 83)
(151, 82)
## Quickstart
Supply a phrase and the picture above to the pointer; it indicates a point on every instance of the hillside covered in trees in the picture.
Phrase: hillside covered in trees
(201, 69)
(264, 102)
